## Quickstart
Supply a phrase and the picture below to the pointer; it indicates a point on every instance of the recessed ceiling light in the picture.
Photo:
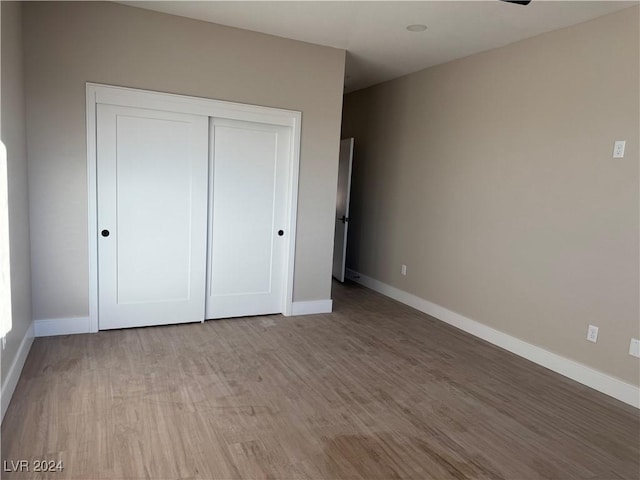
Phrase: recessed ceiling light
(417, 28)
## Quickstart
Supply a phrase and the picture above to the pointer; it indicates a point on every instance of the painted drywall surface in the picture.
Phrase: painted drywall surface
(13, 136)
(492, 179)
(68, 44)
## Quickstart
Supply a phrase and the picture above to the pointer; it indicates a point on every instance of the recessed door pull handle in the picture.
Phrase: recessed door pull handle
(280, 233)
(105, 233)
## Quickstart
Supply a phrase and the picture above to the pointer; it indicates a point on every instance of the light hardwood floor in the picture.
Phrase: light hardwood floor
(375, 390)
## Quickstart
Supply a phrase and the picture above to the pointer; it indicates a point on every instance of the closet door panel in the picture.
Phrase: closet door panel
(152, 216)
(250, 165)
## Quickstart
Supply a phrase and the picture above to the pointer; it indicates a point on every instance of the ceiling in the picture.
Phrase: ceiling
(378, 45)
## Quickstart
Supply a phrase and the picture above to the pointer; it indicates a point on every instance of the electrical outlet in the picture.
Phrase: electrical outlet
(592, 333)
(403, 270)
(618, 149)
(634, 347)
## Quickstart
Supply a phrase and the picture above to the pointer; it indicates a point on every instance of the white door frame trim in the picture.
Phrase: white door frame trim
(106, 94)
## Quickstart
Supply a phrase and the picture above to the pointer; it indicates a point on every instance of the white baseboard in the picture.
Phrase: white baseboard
(579, 372)
(61, 326)
(11, 381)
(312, 307)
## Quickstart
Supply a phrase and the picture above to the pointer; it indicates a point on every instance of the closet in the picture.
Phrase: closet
(191, 208)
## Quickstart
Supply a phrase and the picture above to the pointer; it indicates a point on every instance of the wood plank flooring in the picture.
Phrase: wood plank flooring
(375, 390)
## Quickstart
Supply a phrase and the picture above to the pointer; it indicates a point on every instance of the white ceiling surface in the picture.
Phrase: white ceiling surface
(374, 33)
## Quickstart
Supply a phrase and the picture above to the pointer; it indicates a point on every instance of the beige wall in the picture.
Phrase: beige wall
(491, 178)
(68, 44)
(13, 136)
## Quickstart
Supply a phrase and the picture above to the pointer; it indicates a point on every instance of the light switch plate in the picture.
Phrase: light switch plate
(634, 347)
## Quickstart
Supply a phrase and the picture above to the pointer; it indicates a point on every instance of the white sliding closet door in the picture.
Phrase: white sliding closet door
(250, 178)
(151, 217)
